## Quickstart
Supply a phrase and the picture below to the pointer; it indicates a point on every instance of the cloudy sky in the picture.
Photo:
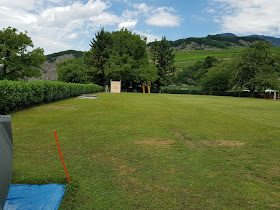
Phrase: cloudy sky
(57, 25)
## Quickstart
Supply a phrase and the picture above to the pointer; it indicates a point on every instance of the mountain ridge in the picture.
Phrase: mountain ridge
(273, 40)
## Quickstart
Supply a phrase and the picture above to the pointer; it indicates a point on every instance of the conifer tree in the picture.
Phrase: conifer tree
(99, 54)
(163, 58)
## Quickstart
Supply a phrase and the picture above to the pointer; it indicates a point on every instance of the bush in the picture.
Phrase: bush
(16, 95)
(216, 82)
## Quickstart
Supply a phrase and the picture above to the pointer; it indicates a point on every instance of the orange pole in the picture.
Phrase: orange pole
(61, 157)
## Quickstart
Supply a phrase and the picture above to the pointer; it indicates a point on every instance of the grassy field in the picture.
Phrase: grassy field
(154, 151)
(188, 58)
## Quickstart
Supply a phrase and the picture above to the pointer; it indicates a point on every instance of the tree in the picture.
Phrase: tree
(209, 62)
(188, 75)
(163, 58)
(120, 55)
(128, 60)
(194, 75)
(218, 79)
(99, 54)
(75, 71)
(256, 68)
(16, 62)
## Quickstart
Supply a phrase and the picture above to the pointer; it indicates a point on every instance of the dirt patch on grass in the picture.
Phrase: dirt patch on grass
(124, 170)
(153, 142)
(223, 143)
(134, 181)
(187, 141)
(275, 171)
(178, 134)
(276, 205)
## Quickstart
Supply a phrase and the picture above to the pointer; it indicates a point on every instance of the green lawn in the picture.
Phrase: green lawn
(154, 151)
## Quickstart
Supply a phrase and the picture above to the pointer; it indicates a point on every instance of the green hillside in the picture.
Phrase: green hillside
(188, 58)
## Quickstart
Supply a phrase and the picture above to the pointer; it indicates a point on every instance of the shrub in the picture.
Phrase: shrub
(216, 82)
(16, 95)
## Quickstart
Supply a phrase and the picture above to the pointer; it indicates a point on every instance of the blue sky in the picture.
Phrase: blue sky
(57, 25)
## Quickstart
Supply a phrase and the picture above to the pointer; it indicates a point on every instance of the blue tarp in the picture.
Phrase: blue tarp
(27, 197)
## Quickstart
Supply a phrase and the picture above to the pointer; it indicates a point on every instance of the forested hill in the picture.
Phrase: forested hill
(211, 42)
(54, 56)
(270, 39)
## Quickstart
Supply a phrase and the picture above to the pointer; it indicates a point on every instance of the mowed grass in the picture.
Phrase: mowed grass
(154, 151)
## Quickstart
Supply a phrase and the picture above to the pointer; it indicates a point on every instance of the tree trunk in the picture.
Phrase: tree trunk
(252, 91)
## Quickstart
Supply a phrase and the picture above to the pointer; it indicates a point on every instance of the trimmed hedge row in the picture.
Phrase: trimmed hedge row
(200, 92)
(15, 95)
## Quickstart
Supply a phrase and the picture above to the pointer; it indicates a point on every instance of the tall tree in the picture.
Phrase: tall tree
(163, 58)
(120, 55)
(16, 62)
(256, 68)
(99, 54)
(218, 78)
(209, 62)
(128, 60)
(75, 71)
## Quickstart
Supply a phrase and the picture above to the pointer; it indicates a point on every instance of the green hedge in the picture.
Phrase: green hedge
(15, 95)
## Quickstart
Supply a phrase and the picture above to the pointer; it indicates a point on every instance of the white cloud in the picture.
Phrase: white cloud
(163, 19)
(128, 24)
(150, 37)
(56, 1)
(51, 27)
(60, 15)
(72, 36)
(129, 14)
(212, 11)
(249, 17)
(23, 4)
(104, 19)
(142, 8)
(10, 16)
(56, 25)
(161, 16)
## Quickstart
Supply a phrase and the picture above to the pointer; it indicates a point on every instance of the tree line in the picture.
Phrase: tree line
(123, 55)
(255, 69)
(119, 55)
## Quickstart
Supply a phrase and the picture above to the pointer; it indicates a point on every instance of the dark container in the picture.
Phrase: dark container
(6, 157)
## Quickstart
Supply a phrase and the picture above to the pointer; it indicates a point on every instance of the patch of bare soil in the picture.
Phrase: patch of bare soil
(124, 170)
(187, 141)
(178, 134)
(276, 205)
(153, 142)
(223, 143)
(275, 171)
